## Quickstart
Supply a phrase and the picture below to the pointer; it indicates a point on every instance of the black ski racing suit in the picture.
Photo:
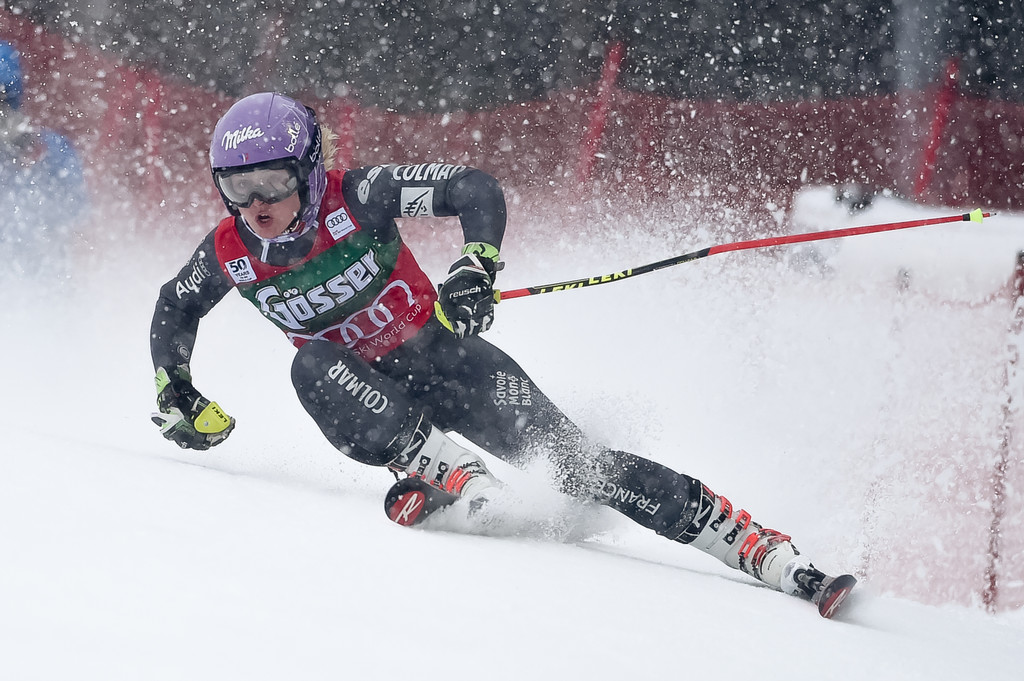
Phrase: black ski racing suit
(468, 386)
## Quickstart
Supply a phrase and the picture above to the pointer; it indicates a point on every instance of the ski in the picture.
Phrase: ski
(833, 594)
(411, 500)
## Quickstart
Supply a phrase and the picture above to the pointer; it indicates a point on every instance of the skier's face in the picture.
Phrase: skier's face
(269, 220)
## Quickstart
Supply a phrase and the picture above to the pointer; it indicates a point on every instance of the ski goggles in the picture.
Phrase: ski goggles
(270, 185)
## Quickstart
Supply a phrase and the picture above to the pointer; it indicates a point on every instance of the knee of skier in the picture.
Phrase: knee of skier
(359, 424)
(307, 366)
(576, 476)
(571, 460)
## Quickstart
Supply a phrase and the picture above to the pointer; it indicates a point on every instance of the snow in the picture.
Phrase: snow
(819, 397)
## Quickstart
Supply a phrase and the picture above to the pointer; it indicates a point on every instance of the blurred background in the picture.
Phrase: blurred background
(432, 56)
(734, 105)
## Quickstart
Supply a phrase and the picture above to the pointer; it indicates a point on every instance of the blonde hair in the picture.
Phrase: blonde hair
(329, 146)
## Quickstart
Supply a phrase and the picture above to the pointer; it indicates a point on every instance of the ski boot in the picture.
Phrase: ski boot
(735, 539)
(767, 555)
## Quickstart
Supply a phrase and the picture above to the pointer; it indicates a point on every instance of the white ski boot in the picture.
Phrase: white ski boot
(736, 540)
(440, 472)
(764, 554)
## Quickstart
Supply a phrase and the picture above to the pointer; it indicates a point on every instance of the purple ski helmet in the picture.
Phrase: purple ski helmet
(270, 130)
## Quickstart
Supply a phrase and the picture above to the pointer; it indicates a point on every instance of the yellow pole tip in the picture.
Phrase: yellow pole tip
(976, 215)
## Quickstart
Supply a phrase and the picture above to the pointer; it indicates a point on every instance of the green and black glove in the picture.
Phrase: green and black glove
(186, 417)
(465, 301)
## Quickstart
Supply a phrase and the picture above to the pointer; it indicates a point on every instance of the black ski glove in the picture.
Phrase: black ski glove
(186, 417)
(465, 302)
(466, 299)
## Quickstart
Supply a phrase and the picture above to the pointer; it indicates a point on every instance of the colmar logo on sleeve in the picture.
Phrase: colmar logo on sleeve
(432, 172)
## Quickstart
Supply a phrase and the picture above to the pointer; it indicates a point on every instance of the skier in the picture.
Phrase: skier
(42, 192)
(387, 364)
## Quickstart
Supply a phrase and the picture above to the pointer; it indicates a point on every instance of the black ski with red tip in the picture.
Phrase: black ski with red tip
(831, 597)
(411, 500)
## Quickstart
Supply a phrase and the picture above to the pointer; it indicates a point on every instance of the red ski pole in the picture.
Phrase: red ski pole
(974, 216)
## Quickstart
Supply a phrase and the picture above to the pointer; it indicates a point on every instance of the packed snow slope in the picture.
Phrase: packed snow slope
(816, 388)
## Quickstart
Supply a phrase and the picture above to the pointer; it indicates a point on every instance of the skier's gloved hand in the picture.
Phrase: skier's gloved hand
(186, 417)
(465, 302)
